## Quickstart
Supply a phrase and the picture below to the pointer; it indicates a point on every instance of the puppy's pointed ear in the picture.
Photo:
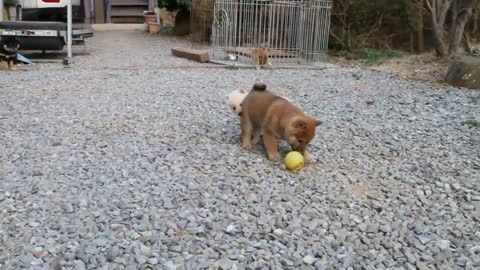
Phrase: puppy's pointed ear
(300, 123)
(318, 123)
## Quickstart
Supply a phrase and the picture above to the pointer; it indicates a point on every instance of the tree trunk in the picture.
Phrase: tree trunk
(412, 47)
(343, 33)
(439, 10)
(454, 10)
(452, 34)
(420, 37)
(440, 47)
(476, 17)
(468, 43)
(458, 27)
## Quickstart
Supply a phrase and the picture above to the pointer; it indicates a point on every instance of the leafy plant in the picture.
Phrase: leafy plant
(471, 123)
(369, 56)
(372, 56)
(175, 5)
(182, 16)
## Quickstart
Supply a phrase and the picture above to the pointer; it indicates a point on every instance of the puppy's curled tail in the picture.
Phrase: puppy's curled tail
(259, 87)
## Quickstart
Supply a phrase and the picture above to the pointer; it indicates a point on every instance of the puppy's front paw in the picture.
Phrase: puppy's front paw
(308, 157)
(274, 156)
(247, 146)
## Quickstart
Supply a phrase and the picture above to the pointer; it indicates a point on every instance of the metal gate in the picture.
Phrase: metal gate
(285, 32)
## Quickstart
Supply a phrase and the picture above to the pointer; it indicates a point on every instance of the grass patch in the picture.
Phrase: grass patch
(369, 56)
(471, 123)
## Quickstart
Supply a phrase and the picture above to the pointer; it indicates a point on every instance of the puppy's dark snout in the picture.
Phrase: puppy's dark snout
(296, 147)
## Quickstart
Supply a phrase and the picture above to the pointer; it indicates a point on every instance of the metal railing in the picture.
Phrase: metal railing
(268, 32)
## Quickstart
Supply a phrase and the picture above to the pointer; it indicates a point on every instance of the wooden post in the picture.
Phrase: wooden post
(1, 10)
(99, 11)
(108, 7)
(86, 8)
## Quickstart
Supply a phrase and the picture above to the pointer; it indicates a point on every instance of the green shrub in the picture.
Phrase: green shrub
(471, 123)
(369, 56)
(372, 56)
(174, 5)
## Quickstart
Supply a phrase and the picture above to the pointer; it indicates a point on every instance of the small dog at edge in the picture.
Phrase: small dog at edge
(278, 119)
(8, 52)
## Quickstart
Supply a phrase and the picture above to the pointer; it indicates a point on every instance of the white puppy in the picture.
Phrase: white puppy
(235, 100)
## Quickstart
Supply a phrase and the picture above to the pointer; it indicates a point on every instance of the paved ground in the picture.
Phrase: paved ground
(130, 159)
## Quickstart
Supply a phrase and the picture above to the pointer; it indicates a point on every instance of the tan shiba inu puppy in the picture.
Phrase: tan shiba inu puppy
(277, 118)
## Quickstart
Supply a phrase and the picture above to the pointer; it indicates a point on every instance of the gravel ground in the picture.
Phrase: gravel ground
(131, 160)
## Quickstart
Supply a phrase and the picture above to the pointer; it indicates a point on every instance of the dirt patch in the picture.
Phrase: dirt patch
(364, 192)
(422, 67)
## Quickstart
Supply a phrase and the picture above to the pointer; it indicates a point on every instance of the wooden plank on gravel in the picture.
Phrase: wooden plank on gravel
(195, 55)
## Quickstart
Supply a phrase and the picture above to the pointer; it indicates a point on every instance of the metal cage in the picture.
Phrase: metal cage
(269, 32)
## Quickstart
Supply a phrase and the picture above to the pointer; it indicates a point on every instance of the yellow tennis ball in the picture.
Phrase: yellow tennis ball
(294, 161)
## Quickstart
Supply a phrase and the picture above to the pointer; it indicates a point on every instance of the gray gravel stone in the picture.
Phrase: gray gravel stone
(475, 260)
(167, 203)
(309, 259)
(475, 250)
(224, 264)
(278, 232)
(140, 259)
(68, 208)
(113, 253)
(177, 249)
(91, 249)
(230, 229)
(80, 265)
(385, 228)
(101, 242)
(424, 239)
(81, 254)
(135, 162)
(372, 228)
(120, 260)
(319, 265)
(443, 244)
(170, 265)
(153, 261)
(287, 262)
(362, 227)
(422, 265)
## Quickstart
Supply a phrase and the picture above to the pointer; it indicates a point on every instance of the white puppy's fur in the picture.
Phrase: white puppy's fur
(235, 99)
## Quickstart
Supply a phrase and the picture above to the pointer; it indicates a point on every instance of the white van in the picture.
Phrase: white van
(33, 4)
(50, 10)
